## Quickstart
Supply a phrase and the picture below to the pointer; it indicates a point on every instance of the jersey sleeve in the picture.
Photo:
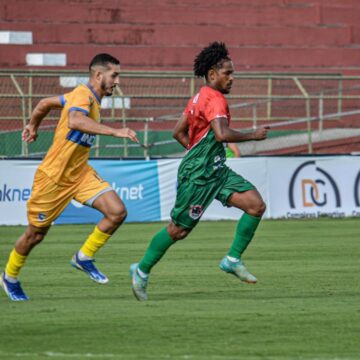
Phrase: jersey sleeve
(64, 99)
(188, 107)
(80, 101)
(216, 107)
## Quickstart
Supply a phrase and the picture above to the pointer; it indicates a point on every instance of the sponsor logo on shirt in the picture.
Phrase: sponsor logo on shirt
(81, 138)
(218, 162)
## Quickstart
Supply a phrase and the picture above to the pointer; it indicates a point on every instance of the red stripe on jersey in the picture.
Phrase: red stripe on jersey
(207, 105)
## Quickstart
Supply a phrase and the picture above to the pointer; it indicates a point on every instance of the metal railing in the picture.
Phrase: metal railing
(156, 99)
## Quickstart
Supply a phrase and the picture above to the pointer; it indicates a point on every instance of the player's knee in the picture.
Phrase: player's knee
(177, 232)
(117, 216)
(37, 239)
(260, 209)
(180, 235)
(120, 216)
(256, 209)
(32, 238)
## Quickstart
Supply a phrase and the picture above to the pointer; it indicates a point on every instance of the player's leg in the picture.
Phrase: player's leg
(17, 258)
(46, 203)
(254, 207)
(191, 202)
(114, 211)
(160, 243)
(97, 193)
(248, 199)
(157, 248)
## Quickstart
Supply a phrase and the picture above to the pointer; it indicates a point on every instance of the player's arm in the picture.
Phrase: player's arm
(223, 133)
(43, 107)
(79, 121)
(235, 149)
(180, 132)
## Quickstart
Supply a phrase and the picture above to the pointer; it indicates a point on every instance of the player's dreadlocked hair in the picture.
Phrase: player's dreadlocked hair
(212, 56)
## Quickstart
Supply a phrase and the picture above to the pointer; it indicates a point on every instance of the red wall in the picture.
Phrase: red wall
(263, 35)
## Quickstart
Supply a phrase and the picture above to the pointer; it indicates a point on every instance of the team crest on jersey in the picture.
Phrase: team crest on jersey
(91, 100)
(41, 217)
(196, 211)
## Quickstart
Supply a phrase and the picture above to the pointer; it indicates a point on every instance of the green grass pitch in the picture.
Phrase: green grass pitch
(305, 306)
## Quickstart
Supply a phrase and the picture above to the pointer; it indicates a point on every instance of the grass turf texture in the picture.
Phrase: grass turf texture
(306, 304)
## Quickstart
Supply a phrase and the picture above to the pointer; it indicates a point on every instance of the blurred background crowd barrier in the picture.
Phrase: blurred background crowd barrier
(307, 113)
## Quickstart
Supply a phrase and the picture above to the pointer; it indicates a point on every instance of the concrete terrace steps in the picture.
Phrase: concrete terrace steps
(181, 58)
(342, 3)
(286, 144)
(184, 35)
(343, 146)
(340, 15)
(163, 13)
(167, 12)
(263, 35)
(339, 146)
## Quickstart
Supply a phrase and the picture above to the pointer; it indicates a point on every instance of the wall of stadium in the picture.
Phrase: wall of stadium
(292, 187)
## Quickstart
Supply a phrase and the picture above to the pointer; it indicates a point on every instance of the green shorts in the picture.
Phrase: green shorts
(193, 199)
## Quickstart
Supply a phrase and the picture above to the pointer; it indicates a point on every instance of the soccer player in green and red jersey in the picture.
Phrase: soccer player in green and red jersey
(203, 176)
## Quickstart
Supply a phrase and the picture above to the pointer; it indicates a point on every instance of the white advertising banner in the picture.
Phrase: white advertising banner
(292, 187)
(252, 169)
(167, 172)
(310, 187)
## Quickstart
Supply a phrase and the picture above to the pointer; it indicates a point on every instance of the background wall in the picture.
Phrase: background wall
(263, 35)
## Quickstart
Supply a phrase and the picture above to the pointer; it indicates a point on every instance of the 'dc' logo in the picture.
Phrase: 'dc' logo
(357, 190)
(314, 189)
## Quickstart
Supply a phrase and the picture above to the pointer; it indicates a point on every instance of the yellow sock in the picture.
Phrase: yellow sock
(94, 242)
(14, 264)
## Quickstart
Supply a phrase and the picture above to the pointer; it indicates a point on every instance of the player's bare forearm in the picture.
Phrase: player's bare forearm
(231, 135)
(40, 111)
(180, 132)
(224, 133)
(43, 108)
(81, 122)
(182, 139)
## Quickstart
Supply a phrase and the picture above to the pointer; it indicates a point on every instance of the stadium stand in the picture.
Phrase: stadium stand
(274, 35)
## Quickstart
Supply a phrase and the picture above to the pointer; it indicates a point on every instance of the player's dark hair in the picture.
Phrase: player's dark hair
(213, 56)
(103, 60)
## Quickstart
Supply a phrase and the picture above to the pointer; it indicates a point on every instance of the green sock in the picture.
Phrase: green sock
(245, 231)
(157, 248)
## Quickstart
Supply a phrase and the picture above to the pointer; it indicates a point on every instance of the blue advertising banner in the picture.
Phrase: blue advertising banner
(137, 184)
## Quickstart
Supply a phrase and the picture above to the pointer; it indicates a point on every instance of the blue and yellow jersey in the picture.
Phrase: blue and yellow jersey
(67, 157)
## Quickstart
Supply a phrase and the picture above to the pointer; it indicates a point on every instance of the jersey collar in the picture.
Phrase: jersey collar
(93, 91)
